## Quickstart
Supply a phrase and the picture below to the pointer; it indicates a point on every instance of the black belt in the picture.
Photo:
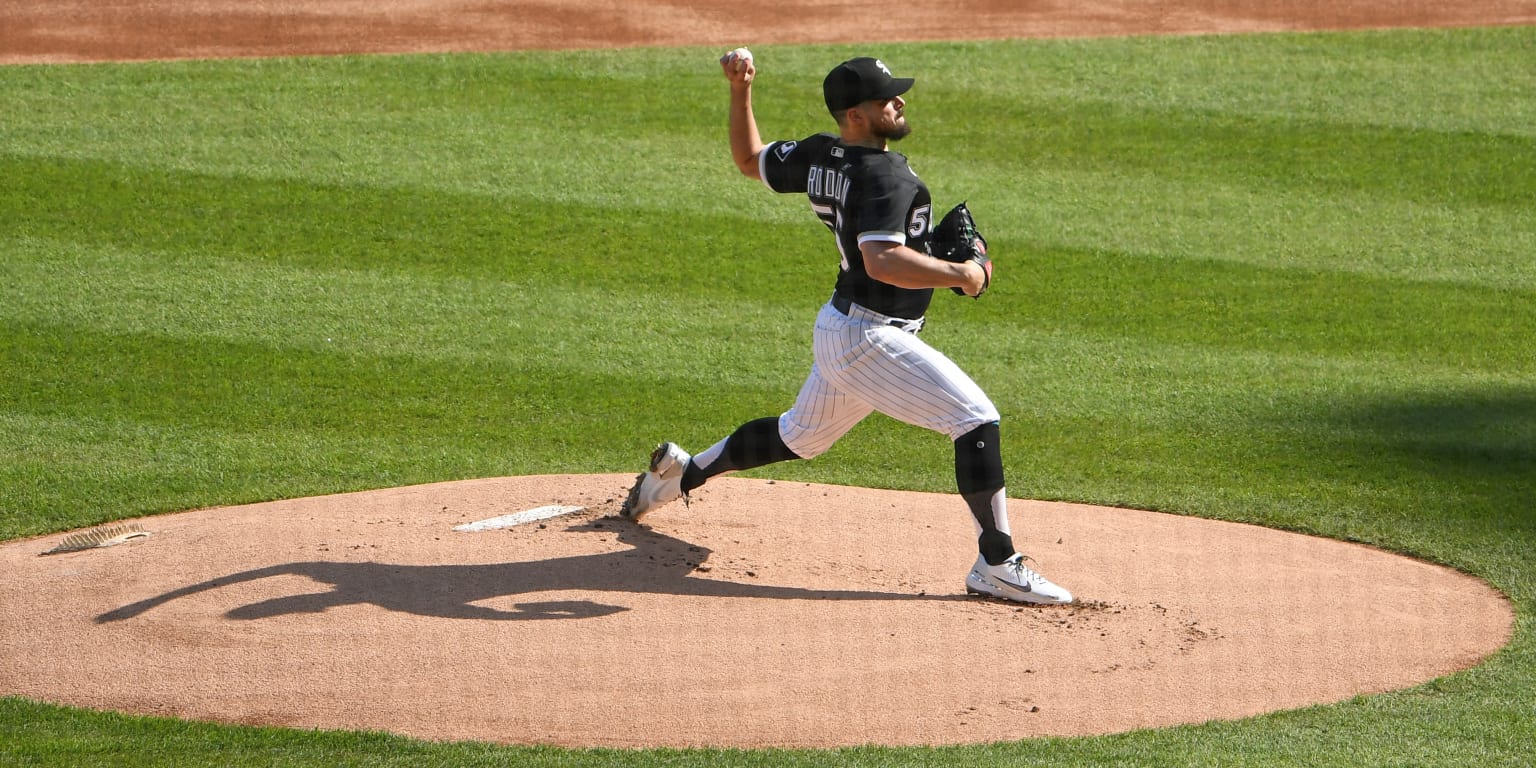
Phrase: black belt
(844, 305)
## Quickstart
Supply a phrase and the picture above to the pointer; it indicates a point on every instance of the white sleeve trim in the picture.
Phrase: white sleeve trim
(762, 163)
(899, 238)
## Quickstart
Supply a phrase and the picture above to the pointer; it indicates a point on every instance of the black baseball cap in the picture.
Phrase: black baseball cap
(856, 81)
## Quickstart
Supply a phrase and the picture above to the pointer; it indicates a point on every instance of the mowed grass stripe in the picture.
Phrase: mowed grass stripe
(270, 422)
(533, 322)
(1155, 217)
(1145, 142)
(538, 318)
(1450, 81)
(1221, 305)
(1324, 156)
(467, 236)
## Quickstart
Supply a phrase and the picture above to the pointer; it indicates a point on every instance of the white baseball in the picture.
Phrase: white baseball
(740, 54)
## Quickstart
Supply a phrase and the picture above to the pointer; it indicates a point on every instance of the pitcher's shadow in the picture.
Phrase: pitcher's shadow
(655, 564)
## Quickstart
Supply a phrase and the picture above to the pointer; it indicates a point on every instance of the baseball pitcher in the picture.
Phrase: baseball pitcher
(867, 354)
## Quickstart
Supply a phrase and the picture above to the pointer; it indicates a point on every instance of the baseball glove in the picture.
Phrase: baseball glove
(956, 239)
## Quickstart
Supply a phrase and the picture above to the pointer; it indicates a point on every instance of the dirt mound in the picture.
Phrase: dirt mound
(764, 613)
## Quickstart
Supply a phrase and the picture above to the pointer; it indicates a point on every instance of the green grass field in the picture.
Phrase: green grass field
(1281, 279)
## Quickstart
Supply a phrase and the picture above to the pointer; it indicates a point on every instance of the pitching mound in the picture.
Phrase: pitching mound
(764, 614)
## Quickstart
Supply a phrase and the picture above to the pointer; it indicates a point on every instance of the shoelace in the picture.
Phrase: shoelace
(1025, 574)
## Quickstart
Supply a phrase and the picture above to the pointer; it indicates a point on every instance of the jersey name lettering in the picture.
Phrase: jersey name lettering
(828, 184)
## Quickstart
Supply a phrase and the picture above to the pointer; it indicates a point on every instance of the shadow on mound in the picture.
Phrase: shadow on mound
(654, 564)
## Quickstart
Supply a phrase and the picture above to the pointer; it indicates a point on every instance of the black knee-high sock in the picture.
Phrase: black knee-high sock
(979, 476)
(753, 444)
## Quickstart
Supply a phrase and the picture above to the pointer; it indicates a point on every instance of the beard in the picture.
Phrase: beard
(895, 132)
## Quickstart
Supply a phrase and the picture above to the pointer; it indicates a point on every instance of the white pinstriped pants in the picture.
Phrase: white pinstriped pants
(863, 364)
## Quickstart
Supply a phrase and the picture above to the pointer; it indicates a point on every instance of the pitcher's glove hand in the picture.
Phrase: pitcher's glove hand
(956, 239)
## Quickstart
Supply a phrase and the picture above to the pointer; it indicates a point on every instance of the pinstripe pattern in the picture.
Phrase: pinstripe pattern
(863, 365)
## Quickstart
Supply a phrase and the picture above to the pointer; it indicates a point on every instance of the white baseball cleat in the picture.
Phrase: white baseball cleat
(1013, 580)
(661, 484)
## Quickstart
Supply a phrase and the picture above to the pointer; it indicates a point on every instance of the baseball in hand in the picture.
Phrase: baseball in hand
(739, 55)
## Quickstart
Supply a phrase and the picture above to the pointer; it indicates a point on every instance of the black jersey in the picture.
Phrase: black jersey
(862, 195)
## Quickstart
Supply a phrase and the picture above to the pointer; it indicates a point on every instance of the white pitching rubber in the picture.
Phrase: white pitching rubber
(509, 521)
